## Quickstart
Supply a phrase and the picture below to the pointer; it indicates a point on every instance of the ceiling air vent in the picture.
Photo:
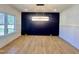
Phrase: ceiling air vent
(39, 4)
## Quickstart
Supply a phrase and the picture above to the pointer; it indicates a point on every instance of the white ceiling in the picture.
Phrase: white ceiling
(45, 8)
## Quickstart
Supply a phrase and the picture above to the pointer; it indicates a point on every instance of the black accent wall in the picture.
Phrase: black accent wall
(40, 28)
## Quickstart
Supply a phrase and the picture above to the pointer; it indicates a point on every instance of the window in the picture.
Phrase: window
(2, 18)
(11, 23)
(40, 18)
(7, 24)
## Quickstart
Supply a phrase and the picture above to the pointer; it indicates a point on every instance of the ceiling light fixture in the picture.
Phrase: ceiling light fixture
(25, 10)
(55, 9)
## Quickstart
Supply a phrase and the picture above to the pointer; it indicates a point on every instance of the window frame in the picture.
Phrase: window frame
(6, 24)
(11, 24)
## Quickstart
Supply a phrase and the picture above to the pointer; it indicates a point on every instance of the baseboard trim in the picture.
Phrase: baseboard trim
(69, 43)
(10, 42)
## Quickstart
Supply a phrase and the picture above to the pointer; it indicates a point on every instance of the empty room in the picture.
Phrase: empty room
(39, 28)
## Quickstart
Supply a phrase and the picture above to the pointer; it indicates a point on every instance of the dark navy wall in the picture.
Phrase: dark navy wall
(40, 28)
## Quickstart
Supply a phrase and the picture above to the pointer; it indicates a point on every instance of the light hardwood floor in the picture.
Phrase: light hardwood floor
(38, 45)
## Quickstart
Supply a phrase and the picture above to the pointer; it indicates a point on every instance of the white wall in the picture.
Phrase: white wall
(69, 25)
(8, 38)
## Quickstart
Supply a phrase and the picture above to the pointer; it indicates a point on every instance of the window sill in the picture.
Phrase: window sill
(4, 36)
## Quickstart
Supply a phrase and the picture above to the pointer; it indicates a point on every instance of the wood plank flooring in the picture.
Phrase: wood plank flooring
(38, 45)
